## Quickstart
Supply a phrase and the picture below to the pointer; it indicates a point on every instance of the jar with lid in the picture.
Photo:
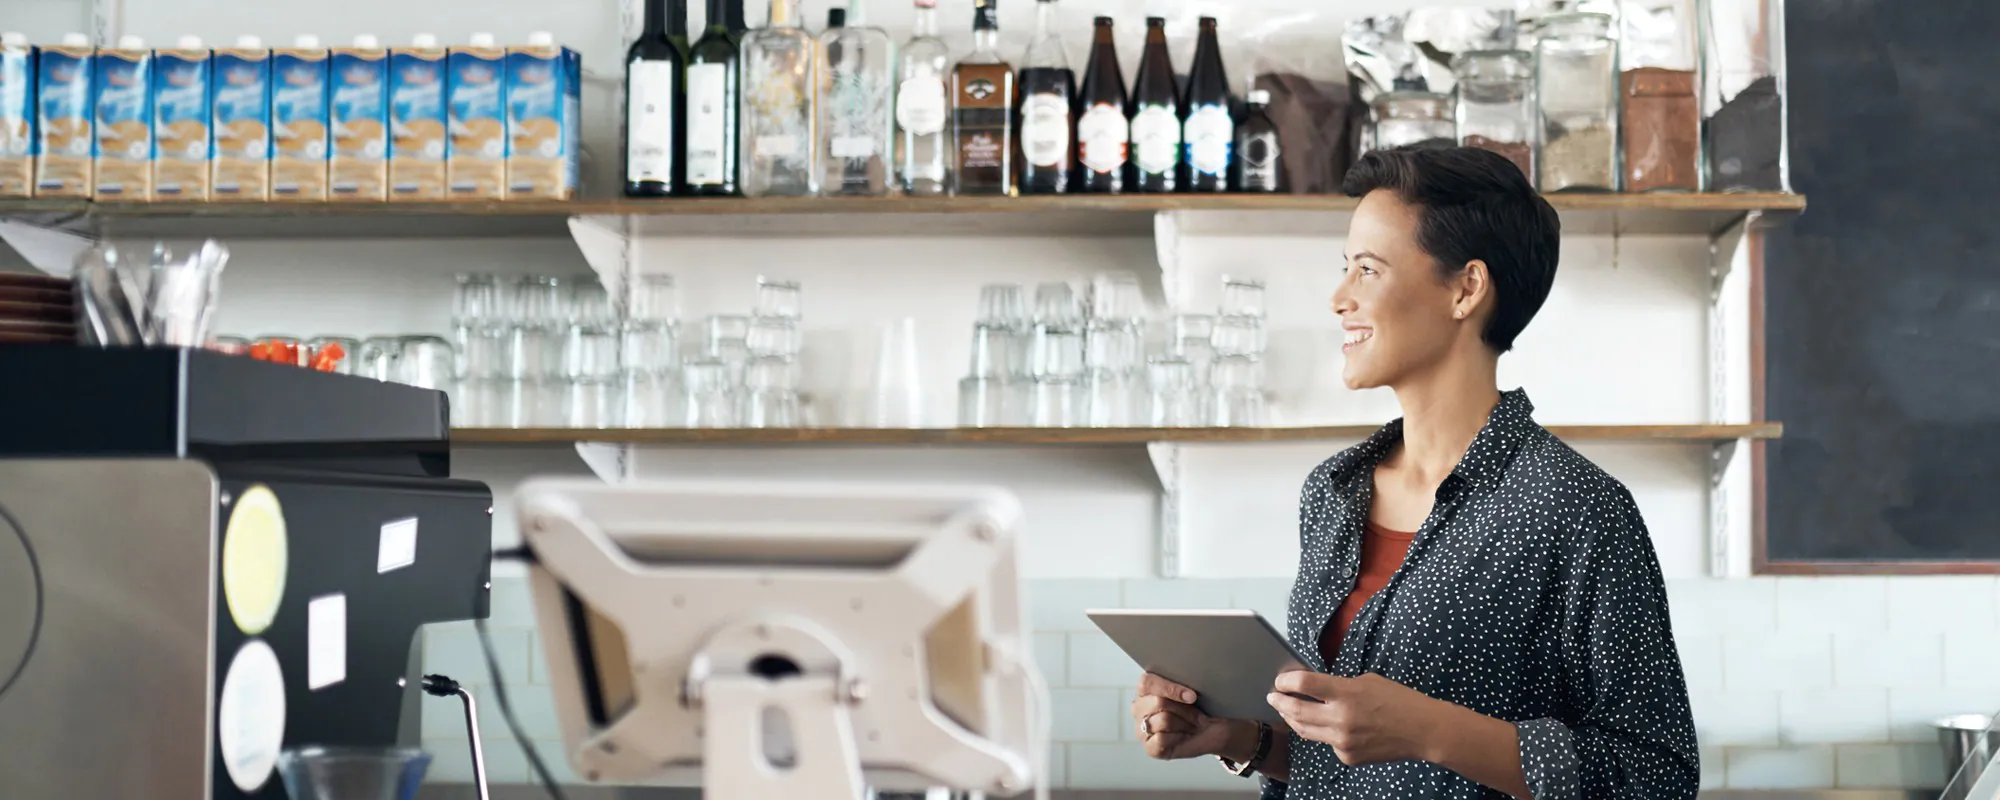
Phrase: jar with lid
(1660, 116)
(1743, 96)
(1576, 89)
(1496, 104)
(1409, 117)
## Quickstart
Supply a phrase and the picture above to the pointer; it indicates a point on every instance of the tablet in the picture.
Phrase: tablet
(1229, 658)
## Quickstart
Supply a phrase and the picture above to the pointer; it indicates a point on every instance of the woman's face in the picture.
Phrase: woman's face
(1400, 316)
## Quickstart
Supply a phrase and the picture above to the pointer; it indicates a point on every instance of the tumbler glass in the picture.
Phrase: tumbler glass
(896, 399)
(590, 304)
(772, 336)
(1060, 354)
(727, 340)
(771, 396)
(1004, 305)
(1056, 304)
(1239, 336)
(352, 773)
(590, 372)
(1060, 402)
(1237, 395)
(1109, 400)
(652, 298)
(1242, 297)
(992, 351)
(982, 402)
(1116, 297)
(780, 299)
(1172, 395)
(426, 361)
(479, 300)
(710, 394)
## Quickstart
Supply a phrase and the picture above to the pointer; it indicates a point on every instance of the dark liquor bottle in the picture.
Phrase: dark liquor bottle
(737, 27)
(1045, 121)
(1260, 162)
(714, 100)
(1156, 114)
(982, 98)
(654, 132)
(1210, 131)
(1103, 135)
(677, 24)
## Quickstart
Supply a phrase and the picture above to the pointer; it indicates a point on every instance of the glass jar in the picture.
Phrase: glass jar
(1413, 118)
(1660, 117)
(1576, 86)
(1496, 104)
(1743, 96)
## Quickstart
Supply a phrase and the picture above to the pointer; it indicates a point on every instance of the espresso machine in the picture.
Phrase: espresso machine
(206, 560)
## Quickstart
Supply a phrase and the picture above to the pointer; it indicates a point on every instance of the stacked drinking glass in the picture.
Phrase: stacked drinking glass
(1235, 394)
(651, 357)
(747, 372)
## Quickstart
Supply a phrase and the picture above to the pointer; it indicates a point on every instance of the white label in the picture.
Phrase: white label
(920, 106)
(781, 146)
(708, 124)
(250, 716)
(1103, 136)
(851, 146)
(1156, 139)
(1210, 135)
(649, 122)
(1045, 129)
(326, 641)
(397, 547)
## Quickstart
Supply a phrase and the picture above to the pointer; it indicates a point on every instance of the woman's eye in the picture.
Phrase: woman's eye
(1367, 270)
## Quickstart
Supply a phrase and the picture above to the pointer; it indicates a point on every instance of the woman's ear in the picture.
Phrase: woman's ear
(1470, 289)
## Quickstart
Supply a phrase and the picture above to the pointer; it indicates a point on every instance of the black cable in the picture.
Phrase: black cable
(35, 576)
(500, 687)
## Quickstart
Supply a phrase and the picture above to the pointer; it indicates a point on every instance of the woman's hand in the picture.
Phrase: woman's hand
(1366, 720)
(1169, 724)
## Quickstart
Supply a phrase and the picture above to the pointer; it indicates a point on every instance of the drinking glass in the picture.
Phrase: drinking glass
(1238, 335)
(1109, 403)
(771, 399)
(780, 299)
(1004, 305)
(378, 358)
(425, 361)
(1242, 297)
(1059, 402)
(352, 773)
(710, 400)
(992, 351)
(479, 300)
(982, 402)
(1056, 304)
(540, 312)
(1114, 346)
(233, 345)
(485, 351)
(1238, 392)
(1172, 396)
(897, 398)
(1017, 401)
(537, 300)
(1060, 354)
(772, 336)
(337, 354)
(590, 304)
(1116, 297)
(728, 341)
(652, 298)
(650, 348)
(590, 371)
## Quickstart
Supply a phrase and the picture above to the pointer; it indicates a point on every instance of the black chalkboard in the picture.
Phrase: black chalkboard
(1882, 301)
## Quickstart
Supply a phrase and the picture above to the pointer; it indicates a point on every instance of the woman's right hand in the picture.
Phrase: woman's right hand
(1169, 724)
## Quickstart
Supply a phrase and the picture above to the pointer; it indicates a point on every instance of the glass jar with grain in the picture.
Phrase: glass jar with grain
(1576, 88)
(1496, 104)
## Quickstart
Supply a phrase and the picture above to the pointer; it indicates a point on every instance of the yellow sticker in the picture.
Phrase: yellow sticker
(254, 559)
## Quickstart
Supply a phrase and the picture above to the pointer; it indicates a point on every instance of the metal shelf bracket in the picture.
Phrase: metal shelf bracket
(1166, 457)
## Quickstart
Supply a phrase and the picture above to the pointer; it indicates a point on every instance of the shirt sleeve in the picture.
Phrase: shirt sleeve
(1627, 730)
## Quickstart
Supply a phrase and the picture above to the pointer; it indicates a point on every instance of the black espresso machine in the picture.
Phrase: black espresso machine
(207, 559)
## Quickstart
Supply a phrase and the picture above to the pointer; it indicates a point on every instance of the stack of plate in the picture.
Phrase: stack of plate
(36, 309)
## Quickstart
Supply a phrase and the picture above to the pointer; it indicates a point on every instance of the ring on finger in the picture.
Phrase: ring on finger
(1146, 725)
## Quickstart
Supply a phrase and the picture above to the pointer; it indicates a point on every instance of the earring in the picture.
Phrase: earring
(1458, 314)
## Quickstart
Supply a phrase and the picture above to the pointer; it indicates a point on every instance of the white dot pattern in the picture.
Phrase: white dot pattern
(1531, 594)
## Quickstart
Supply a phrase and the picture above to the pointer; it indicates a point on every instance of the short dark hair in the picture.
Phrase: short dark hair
(1474, 204)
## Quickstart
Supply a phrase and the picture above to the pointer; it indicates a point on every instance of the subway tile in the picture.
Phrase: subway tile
(1096, 663)
(534, 707)
(1176, 593)
(1701, 659)
(538, 659)
(1052, 656)
(1911, 711)
(1972, 659)
(444, 717)
(1802, 767)
(1271, 598)
(1832, 604)
(1725, 605)
(1058, 765)
(1058, 605)
(1889, 766)
(451, 762)
(512, 605)
(1714, 767)
(1777, 660)
(1946, 603)
(1126, 766)
(1833, 716)
(1888, 660)
(1735, 717)
(1087, 715)
(453, 650)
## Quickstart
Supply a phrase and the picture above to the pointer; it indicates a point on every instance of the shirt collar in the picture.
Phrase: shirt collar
(1506, 429)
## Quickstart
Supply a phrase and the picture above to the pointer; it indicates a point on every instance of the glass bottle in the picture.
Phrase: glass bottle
(780, 82)
(1103, 134)
(1659, 121)
(737, 27)
(677, 24)
(1210, 130)
(1576, 88)
(1743, 97)
(922, 107)
(982, 91)
(653, 99)
(1413, 117)
(714, 99)
(1260, 163)
(856, 124)
(1156, 115)
(1045, 121)
(1496, 104)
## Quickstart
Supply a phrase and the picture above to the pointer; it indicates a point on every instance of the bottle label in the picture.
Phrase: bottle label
(1260, 162)
(777, 111)
(920, 106)
(982, 150)
(1211, 134)
(708, 124)
(1156, 139)
(857, 111)
(649, 122)
(1104, 136)
(1045, 129)
(851, 147)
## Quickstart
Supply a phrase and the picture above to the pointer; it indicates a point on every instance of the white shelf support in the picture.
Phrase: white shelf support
(1166, 458)
(611, 462)
(1167, 249)
(1732, 512)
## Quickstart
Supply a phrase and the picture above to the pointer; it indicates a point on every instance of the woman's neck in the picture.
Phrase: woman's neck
(1443, 412)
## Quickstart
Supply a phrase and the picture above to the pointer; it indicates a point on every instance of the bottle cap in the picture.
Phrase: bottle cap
(1260, 97)
(1156, 22)
(541, 39)
(367, 41)
(13, 39)
(424, 40)
(927, 3)
(130, 42)
(305, 40)
(481, 40)
(836, 18)
(75, 40)
(248, 42)
(1104, 22)
(188, 42)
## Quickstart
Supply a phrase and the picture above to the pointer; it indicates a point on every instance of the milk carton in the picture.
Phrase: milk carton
(242, 164)
(478, 91)
(183, 142)
(299, 121)
(543, 101)
(418, 145)
(17, 116)
(62, 124)
(360, 118)
(123, 105)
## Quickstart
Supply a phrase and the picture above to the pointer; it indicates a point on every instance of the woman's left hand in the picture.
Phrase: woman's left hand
(1366, 720)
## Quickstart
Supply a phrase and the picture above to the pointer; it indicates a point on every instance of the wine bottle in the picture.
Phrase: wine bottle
(737, 27)
(1103, 134)
(856, 124)
(1045, 120)
(1210, 131)
(1260, 165)
(982, 92)
(677, 24)
(653, 125)
(714, 99)
(780, 92)
(1156, 115)
(923, 108)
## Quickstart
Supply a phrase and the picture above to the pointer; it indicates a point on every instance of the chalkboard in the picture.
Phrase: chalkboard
(1882, 301)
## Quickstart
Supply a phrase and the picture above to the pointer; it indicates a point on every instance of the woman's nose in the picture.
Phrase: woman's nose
(1343, 298)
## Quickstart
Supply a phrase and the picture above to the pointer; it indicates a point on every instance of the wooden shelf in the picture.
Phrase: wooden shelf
(731, 437)
(817, 216)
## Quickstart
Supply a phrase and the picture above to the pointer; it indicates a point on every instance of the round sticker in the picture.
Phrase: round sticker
(920, 106)
(1156, 139)
(1210, 135)
(1104, 135)
(254, 560)
(250, 716)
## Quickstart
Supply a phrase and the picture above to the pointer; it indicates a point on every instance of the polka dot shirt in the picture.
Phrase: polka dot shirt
(1531, 594)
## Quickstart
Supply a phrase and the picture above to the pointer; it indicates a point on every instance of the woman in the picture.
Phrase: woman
(1481, 605)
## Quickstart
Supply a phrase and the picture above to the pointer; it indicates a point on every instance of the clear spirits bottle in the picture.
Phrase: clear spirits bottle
(855, 117)
(1046, 121)
(982, 100)
(923, 108)
(780, 82)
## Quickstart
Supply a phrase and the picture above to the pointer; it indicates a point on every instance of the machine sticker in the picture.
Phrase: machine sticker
(250, 716)
(398, 546)
(254, 560)
(326, 641)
